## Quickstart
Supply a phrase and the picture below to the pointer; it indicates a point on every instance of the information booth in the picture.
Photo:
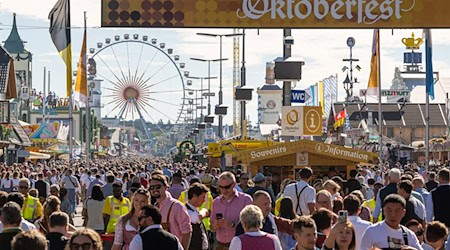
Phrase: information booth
(292, 156)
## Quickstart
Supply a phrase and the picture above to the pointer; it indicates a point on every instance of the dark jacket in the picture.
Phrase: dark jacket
(57, 241)
(441, 204)
(160, 239)
(7, 236)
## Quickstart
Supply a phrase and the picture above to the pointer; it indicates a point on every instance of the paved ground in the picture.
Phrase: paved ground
(78, 220)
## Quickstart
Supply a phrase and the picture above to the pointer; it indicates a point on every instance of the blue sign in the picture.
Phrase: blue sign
(298, 96)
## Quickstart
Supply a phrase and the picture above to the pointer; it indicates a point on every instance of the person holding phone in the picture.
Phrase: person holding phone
(226, 209)
(342, 236)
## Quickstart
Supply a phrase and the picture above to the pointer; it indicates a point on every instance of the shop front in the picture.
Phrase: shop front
(287, 158)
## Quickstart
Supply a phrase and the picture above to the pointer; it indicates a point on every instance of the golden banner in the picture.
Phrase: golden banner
(276, 13)
(306, 146)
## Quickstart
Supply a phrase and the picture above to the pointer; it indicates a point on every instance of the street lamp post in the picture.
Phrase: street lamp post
(220, 81)
(209, 77)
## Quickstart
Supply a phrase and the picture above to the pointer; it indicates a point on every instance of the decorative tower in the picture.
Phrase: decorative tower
(23, 68)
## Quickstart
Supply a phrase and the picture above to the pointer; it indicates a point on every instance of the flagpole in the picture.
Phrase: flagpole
(427, 130)
(48, 93)
(88, 111)
(380, 115)
(43, 98)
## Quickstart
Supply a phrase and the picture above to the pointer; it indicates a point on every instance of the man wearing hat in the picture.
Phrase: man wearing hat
(260, 184)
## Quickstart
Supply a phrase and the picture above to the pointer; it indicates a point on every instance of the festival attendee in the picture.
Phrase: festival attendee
(305, 233)
(251, 218)
(128, 225)
(19, 199)
(389, 233)
(96, 181)
(85, 239)
(391, 188)
(11, 218)
(431, 183)
(414, 208)
(115, 206)
(243, 182)
(153, 236)
(323, 219)
(324, 200)
(58, 230)
(197, 194)
(435, 235)
(352, 183)
(30, 240)
(226, 209)
(302, 194)
(260, 184)
(280, 196)
(206, 205)
(93, 210)
(176, 188)
(419, 186)
(440, 197)
(287, 212)
(262, 200)
(333, 188)
(66, 206)
(52, 204)
(418, 229)
(32, 208)
(370, 204)
(341, 237)
(43, 188)
(72, 184)
(107, 188)
(353, 206)
(175, 218)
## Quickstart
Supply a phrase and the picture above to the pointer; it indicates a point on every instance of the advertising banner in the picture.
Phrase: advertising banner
(276, 13)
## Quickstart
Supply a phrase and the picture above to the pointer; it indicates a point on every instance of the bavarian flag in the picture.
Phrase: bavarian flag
(60, 32)
(339, 119)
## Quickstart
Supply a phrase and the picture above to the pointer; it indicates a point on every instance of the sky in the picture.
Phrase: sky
(321, 49)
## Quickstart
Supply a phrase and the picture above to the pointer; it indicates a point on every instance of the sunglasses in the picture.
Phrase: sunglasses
(419, 233)
(84, 246)
(24, 187)
(155, 187)
(226, 187)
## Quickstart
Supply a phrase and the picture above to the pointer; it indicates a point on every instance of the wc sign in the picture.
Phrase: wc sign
(299, 96)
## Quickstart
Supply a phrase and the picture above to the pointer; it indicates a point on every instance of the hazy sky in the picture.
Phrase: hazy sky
(322, 50)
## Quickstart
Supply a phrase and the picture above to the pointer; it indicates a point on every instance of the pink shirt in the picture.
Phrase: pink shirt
(230, 211)
(180, 222)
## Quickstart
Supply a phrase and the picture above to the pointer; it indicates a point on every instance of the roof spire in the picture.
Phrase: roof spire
(14, 43)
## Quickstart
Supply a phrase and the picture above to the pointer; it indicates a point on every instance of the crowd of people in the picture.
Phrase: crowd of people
(140, 204)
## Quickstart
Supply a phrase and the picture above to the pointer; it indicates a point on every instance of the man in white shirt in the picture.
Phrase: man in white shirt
(303, 196)
(353, 206)
(196, 196)
(153, 236)
(389, 233)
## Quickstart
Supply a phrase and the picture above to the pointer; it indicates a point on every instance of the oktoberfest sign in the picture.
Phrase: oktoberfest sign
(301, 120)
(276, 13)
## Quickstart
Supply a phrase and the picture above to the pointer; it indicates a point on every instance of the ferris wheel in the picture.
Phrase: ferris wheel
(141, 79)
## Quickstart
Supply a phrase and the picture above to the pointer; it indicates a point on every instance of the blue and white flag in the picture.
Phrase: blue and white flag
(429, 64)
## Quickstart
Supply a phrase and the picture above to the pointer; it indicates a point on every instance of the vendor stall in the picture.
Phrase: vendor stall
(319, 156)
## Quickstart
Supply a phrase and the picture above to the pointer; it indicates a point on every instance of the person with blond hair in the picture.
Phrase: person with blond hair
(251, 218)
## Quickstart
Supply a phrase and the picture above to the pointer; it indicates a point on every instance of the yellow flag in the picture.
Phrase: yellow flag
(81, 82)
(372, 86)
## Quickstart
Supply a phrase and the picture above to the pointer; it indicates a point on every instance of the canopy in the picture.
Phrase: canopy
(38, 156)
